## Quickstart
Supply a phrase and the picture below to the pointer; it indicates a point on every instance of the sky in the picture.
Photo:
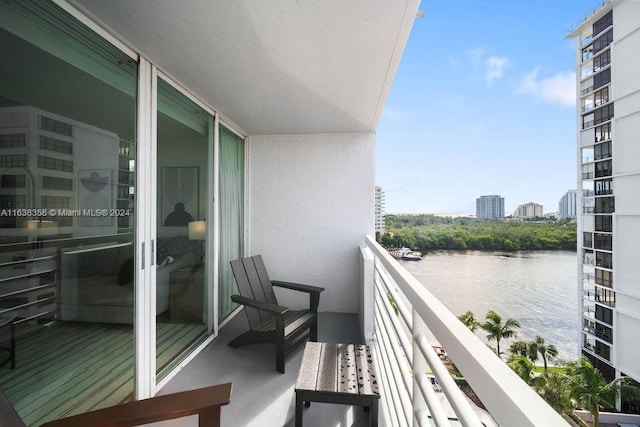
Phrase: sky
(483, 103)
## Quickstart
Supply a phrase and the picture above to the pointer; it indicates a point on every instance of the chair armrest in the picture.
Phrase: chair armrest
(260, 305)
(204, 401)
(297, 287)
(313, 291)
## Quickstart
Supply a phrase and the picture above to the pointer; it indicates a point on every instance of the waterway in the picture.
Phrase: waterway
(539, 289)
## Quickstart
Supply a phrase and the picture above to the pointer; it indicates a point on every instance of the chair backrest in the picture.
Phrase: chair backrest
(253, 282)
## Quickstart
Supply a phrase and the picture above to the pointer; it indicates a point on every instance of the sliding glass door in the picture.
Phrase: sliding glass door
(112, 251)
(184, 144)
(231, 215)
(67, 185)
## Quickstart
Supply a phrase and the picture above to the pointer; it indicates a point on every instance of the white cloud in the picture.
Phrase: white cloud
(559, 89)
(491, 66)
(494, 68)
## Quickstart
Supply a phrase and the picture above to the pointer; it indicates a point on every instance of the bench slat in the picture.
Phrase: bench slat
(347, 380)
(327, 368)
(338, 368)
(308, 373)
(367, 377)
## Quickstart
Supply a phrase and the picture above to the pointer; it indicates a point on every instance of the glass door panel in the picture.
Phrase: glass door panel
(185, 136)
(67, 186)
(231, 215)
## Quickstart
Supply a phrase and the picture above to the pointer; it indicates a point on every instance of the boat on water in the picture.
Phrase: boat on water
(405, 254)
(413, 256)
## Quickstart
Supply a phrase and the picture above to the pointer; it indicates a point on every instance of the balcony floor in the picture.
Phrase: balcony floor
(262, 396)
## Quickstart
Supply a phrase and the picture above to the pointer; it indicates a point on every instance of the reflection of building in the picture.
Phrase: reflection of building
(528, 210)
(567, 205)
(45, 169)
(490, 207)
(379, 219)
(609, 225)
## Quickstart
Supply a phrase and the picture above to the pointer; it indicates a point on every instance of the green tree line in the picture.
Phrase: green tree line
(429, 232)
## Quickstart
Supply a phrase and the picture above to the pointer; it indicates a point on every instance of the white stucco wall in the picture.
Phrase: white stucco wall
(310, 204)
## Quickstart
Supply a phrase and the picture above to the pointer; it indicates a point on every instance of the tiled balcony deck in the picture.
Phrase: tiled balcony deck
(262, 397)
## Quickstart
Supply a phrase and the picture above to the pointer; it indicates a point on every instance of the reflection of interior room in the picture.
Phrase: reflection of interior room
(67, 159)
(184, 137)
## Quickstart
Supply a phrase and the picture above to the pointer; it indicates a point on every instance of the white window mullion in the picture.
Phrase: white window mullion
(214, 235)
(152, 207)
(144, 322)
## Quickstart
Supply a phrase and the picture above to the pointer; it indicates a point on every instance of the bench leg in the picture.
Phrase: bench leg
(280, 344)
(209, 417)
(313, 333)
(280, 357)
(373, 414)
(298, 410)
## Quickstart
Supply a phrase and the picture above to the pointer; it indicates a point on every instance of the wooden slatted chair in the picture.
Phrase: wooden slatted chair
(270, 322)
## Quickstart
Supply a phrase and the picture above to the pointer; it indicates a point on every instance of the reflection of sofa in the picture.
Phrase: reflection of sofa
(97, 282)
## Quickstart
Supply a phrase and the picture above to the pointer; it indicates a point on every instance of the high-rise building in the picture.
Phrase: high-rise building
(379, 210)
(567, 205)
(528, 210)
(608, 42)
(490, 207)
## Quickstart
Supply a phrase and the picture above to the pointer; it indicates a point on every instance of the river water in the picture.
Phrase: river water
(539, 289)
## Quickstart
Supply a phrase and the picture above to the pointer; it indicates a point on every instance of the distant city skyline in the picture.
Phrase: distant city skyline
(482, 104)
(556, 208)
(490, 207)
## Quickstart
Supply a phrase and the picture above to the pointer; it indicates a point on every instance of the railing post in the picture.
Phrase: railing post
(367, 302)
(425, 402)
(419, 368)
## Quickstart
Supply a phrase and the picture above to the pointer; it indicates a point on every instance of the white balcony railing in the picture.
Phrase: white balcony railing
(398, 314)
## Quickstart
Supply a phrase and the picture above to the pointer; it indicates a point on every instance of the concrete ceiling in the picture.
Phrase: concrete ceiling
(272, 67)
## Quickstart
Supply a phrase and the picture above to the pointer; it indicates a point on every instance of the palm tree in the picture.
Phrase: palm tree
(496, 330)
(592, 391)
(469, 320)
(547, 352)
(519, 348)
(554, 389)
(522, 366)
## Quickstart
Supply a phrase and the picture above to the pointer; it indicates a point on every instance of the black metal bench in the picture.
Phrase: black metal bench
(337, 373)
